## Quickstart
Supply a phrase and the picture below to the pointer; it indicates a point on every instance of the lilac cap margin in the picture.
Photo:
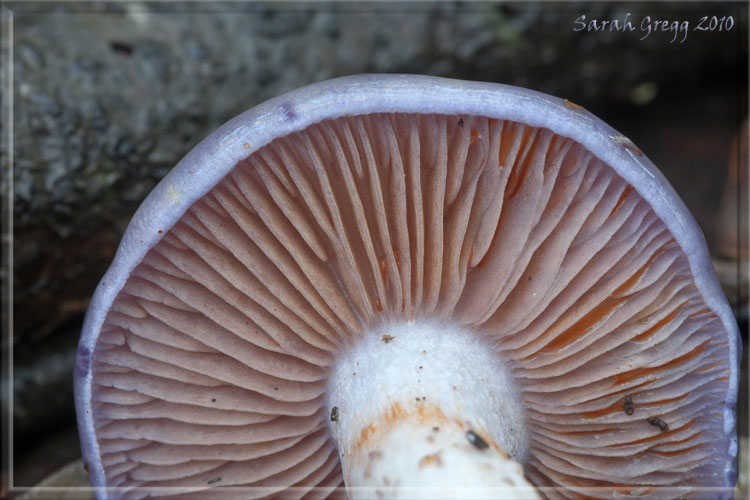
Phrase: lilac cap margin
(213, 158)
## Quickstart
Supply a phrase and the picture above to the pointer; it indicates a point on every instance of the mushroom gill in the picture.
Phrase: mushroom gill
(212, 365)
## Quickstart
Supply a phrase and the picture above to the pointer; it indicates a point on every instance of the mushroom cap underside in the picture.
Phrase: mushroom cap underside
(295, 229)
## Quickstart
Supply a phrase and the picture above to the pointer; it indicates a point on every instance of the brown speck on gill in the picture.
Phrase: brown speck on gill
(628, 405)
(657, 422)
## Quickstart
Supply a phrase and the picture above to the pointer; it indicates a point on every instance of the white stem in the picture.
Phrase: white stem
(427, 411)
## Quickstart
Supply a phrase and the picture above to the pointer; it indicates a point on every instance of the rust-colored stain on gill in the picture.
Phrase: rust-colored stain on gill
(658, 326)
(581, 327)
(709, 367)
(490, 248)
(657, 436)
(592, 484)
(520, 171)
(383, 268)
(621, 391)
(665, 401)
(622, 378)
(506, 142)
(698, 313)
(625, 193)
(592, 432)
(689, 438)
(677, 452)
(474, 136)
(602, 311)
(613, 408)
(630, 282)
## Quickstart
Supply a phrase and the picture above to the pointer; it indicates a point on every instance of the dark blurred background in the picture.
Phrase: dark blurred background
(108, 96)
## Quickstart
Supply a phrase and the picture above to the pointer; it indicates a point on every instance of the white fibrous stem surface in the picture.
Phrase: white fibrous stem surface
(424, 410)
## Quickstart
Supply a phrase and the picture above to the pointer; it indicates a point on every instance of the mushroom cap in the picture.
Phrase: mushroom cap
(703, 408)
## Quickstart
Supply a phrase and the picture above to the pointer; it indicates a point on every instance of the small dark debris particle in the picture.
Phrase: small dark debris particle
(461, 122)
(213, 400)
(435, 429)
(85, 466)
(477, 441)
(530, 278)
(214, 480)
(656, 421)
(420, 367)
(454, 387)
(424, 352)
(628, 406)
(335, 414)
(159, 231)
(354, 373)
(121, 47)
(387, 338)
(275, 388)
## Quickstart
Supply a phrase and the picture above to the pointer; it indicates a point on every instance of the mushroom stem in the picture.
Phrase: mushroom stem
(427, 411)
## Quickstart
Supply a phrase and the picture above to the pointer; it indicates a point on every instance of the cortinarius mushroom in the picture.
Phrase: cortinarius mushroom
(418, 287)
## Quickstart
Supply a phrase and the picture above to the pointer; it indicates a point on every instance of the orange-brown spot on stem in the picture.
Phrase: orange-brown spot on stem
(366, 434)
(429, 460)
(625, 193)
(622, 378)
(430, 413)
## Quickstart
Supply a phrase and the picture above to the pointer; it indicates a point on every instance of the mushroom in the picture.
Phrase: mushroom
(413, 287)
